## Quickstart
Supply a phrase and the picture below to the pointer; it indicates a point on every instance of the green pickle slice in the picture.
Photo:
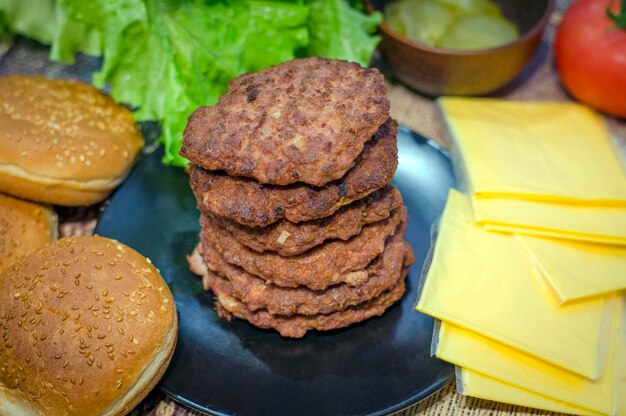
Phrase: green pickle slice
(451, 24)
(466, 8)
(392, 17)
(425, 21)
(478, 32)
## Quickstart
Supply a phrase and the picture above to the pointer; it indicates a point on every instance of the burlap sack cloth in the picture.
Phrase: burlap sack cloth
(539, 82)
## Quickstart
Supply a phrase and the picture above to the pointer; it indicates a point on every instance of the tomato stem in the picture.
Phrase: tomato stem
(619, 18)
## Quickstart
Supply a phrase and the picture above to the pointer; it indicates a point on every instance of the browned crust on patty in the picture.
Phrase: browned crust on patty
(305, 120)
(256, 294)
(289, 239)
(251, 203)
(296, 326)
(333, 262)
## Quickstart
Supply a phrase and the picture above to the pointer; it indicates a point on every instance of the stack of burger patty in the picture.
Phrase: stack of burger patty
(299, 227)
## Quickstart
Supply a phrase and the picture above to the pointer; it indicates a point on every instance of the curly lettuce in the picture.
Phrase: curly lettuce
(339, 31)
(5, 36)
(47, 21)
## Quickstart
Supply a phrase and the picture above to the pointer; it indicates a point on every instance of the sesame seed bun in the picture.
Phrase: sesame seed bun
(24, 227)
(63, 142)
(88, 327)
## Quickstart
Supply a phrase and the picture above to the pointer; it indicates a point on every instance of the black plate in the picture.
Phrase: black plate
(227, 368)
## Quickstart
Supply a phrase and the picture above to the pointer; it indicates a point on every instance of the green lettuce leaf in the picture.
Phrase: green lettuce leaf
(3, 26)
(6, 38)
(47, 22)
(342, 32)
(20, 18)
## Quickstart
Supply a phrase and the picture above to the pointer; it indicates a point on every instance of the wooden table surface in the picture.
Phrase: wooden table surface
(538, 82)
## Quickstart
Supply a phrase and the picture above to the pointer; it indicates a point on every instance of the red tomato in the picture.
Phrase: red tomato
(590, 53)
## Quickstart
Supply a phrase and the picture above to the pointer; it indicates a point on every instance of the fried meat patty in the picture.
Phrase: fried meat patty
(305, 120)
(255, 293)
(251, 203)
(296, 326)
(330, 263)
(289, 239)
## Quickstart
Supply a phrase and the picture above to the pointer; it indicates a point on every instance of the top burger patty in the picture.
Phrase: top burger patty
(302, 121)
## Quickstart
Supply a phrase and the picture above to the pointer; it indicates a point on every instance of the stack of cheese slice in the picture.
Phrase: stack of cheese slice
(528, 272)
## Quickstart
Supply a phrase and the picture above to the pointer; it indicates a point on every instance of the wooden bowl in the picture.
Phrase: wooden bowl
(438, 71)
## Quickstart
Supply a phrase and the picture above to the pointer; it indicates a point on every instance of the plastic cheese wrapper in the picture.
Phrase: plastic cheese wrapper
(619, 396)
(471, 383)
(538, 168)
(484, 282)
(619, 391)
(575, 270)
(620, 387)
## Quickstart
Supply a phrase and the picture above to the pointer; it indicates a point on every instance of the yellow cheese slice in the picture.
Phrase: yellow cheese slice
(474, 384)
(484, 282)
(559, 152)
(475, 352)
(576, 222)
(575, 270)
(503, 374)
